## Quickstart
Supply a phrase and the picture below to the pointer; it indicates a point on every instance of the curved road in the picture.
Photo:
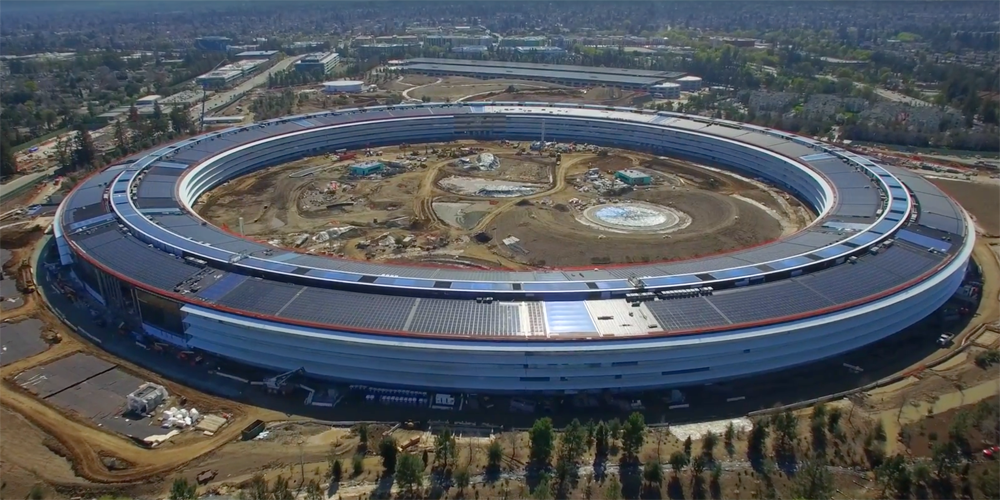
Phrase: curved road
(406, 93)
(560, 184)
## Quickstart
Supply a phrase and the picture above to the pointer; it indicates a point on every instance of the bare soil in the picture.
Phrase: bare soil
(981, 199)
(279, 208)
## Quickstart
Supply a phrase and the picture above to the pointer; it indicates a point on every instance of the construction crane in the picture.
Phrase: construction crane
(278, 383)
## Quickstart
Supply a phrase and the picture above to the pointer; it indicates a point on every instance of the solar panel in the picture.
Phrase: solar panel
(318, 305)
(905, 263)
(736, 273)
(769, 301)
(923, 241)
(134, 259)
(225, 285)
(849, 282)
(789, 263)
(260, 296)
(685, 314)
(333, 275)
(465, 317)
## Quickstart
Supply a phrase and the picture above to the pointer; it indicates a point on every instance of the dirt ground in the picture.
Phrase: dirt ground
(981, 199)
(285, 207)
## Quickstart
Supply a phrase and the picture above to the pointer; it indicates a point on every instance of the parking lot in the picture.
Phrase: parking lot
(91, 388)
(21, 340)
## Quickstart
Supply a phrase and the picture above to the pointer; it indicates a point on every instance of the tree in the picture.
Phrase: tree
(36, 493)
(363, 434)
(833, 421)
(542, 442)
(445, 448)
(183, 490)
(494, 455)
(280, 489)
(409, 472)
(613, 491)
(122, 146)
(652, 473)
(336, 472)
(462, 479)
(708, 442)
(574, 440)
(633, 435)
(945, 458)
(357, 464)
(543, 490)
(591, 428)
(84, 152)
(687, 446)
(786, 430)
(988, 482)
(8, 160)
(256, 489)
(678, 460)
(729, 436)
(813, 481)
(313, 491)
(922, 473)
(614, 429)
(758, 437)
(388, 450)
(180, 121)
(601, 436)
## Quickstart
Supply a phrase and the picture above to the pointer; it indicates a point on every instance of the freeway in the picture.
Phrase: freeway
(220, 99)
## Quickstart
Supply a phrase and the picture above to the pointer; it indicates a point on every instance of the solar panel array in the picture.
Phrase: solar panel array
(773, 300)
(130, 257)
(686, 314)
(259, 296)
(466, 318)
(318, 305)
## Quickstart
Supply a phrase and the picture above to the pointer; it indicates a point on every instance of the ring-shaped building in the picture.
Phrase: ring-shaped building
(887, 249)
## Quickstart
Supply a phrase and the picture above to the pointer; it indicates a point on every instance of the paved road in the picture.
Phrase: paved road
(15, 185)
(222, 98)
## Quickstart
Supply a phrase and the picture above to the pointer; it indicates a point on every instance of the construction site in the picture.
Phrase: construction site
(503, 205)
(82, 413)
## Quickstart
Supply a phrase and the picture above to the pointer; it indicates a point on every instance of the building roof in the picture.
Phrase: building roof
(343, 83)
(317, 58)
(257, 53)
(662, 75)
(635, 174)
(690, 78)
(514, 73)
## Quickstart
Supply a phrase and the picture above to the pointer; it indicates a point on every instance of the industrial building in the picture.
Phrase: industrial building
(666, 90)
(634, 177)
(457, 40)
(343, 86)
(229, 74)
(212, 43)
(385, 49)
(524, 41)
(471, 49)
(319, 62)
(569, 75)
(546, 51)
(689, 83)
(131, 239)
(257, 54)
(363, 169)
(148, 100)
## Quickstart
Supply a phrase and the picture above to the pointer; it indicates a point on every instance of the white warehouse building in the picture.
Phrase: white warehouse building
(666, 90)
(689, 83)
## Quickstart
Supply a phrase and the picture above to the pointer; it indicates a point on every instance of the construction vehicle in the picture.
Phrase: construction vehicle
(25, 278)
(280, 383)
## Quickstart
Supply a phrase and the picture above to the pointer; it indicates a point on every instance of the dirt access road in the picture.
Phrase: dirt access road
(560, 184)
